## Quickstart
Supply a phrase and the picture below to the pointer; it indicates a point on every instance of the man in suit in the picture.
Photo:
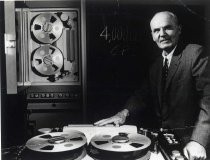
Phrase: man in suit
(175, 89)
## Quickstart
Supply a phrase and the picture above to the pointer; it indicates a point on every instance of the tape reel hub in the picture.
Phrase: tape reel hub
(47, 27)
(57, 140)
(121, 138)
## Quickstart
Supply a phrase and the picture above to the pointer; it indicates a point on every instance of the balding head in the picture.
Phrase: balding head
(167, 14)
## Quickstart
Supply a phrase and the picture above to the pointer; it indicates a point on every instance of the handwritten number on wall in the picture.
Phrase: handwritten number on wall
(104, 33)
(120, 38)
(118, 33)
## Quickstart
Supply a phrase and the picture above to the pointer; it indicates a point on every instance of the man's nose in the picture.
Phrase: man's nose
(162, 32)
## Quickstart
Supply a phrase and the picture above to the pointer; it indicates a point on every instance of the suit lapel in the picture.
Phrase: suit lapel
(175, 61)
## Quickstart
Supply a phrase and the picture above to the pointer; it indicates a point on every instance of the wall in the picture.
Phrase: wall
(120, 48)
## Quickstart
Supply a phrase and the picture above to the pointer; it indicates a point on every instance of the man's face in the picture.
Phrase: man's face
(165, 31)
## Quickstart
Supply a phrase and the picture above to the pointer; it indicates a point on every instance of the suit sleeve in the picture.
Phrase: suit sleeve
(139, 100)
(201, 74)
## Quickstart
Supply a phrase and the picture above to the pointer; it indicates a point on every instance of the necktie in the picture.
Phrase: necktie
(164, 73)
(164, 106)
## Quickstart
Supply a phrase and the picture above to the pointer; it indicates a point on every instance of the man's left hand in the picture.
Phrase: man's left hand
(194, 151)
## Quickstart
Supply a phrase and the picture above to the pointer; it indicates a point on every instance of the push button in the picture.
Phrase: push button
(36, 95)
(31, 95)
(60, 95)
(42, 95)
(51, 95)
(47, 95)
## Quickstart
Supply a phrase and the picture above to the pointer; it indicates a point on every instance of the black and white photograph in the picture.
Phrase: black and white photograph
(105, 79)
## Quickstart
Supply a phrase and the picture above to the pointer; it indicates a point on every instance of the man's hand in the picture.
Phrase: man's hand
(117, 119)
(194, 151)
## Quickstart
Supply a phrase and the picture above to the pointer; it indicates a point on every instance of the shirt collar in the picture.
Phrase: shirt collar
(169, 56)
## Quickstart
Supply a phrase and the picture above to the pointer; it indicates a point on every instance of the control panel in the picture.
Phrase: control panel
(58, 95)
(171, 146)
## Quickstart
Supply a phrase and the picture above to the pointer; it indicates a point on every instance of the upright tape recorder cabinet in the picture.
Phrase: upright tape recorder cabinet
(45, 59)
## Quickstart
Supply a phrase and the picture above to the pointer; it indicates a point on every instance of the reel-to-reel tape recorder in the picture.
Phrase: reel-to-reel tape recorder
(47, 54)
(102, 143)
(89, 142)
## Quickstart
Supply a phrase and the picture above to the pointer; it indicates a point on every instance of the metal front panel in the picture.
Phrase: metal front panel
(10, 47)
(40, 55)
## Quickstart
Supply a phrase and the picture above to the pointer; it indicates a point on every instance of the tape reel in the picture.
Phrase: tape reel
(58, 145)
(57, 142)
(47, 60)
(47, 28)
(120, 146)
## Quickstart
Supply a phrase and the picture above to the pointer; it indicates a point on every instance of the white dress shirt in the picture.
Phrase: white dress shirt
(168, 56)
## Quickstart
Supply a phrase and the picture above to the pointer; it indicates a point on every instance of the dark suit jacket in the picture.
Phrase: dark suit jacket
(187, 95)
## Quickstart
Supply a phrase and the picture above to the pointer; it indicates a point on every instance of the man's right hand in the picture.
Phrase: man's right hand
(117, 119)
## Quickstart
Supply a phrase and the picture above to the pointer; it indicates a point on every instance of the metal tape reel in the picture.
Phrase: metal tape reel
(120, 146)
(57, 142)
(47, 60)
(47, 28)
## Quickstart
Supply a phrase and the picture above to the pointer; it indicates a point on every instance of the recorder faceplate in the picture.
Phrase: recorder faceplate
(48, 46)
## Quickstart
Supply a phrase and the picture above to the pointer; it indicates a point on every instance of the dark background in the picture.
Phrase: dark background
(116, 64)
